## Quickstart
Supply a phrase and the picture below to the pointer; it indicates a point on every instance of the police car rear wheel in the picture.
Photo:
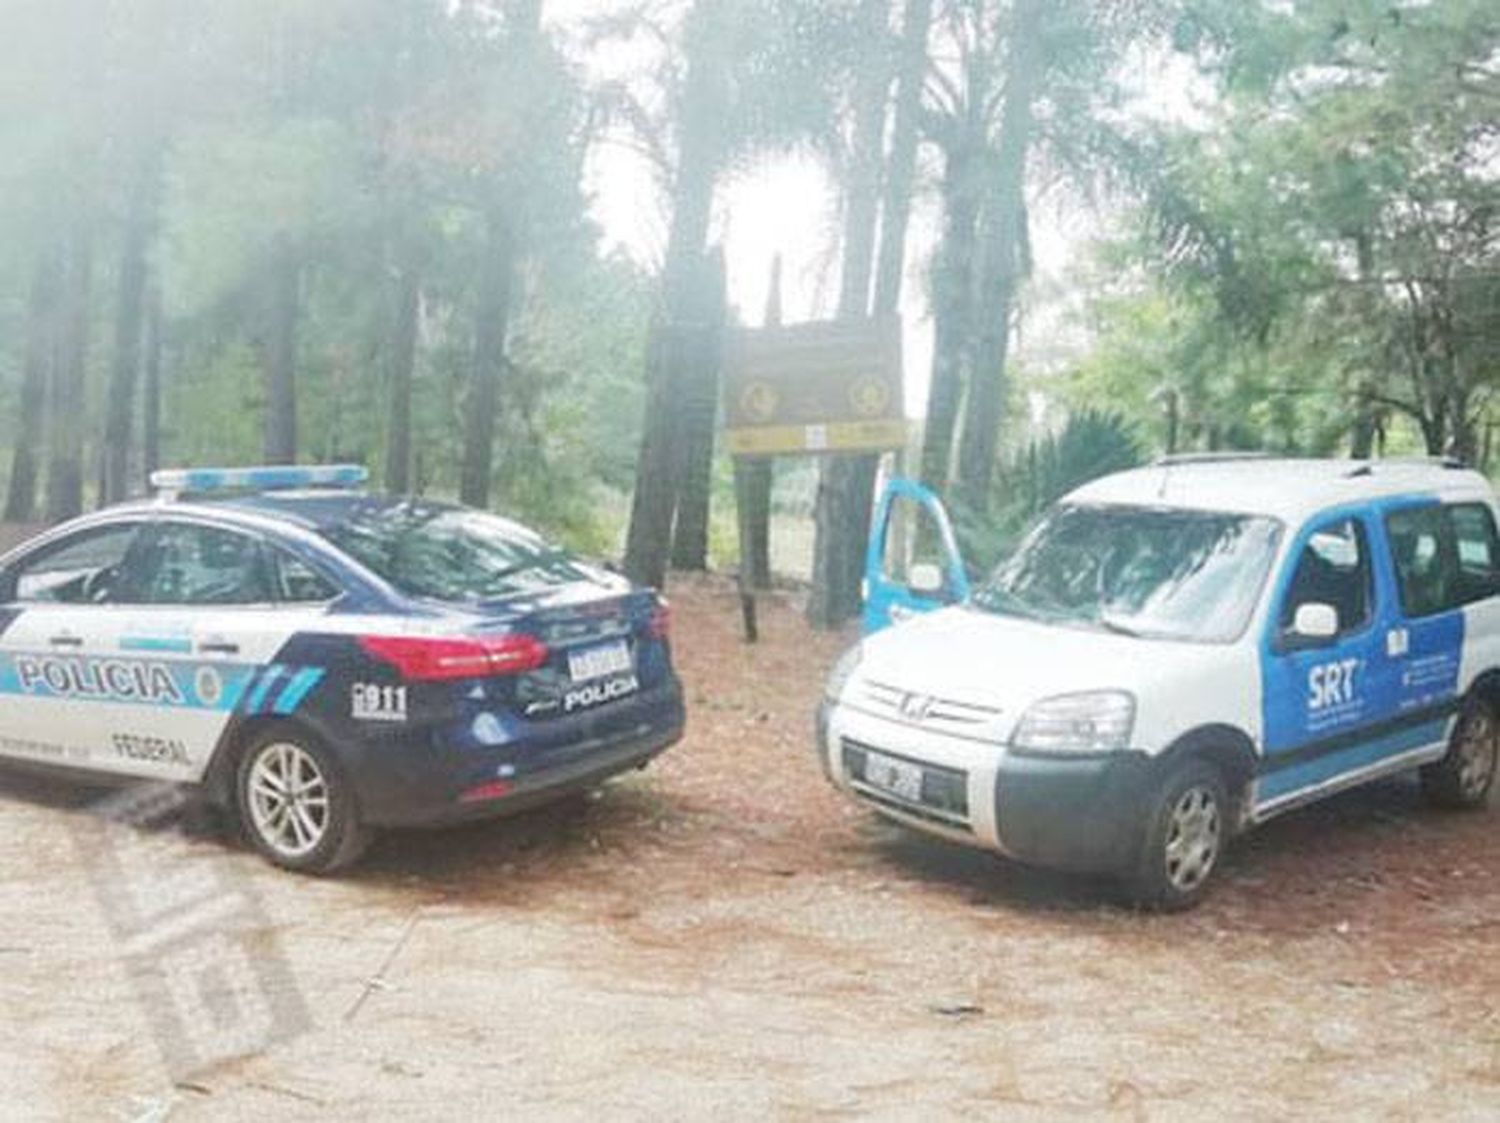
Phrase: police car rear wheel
(1186, 834)
(295, 806)
(1464, 777)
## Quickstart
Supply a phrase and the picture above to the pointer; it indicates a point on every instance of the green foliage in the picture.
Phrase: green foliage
(364, 140)
(1322, 255)
(1093, 443)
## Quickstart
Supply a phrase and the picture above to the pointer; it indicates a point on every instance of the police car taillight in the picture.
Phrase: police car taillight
(436, 659)
(660, 624)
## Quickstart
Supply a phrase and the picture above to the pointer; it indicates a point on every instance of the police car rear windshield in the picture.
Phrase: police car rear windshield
(1162, 574)
(450, 554)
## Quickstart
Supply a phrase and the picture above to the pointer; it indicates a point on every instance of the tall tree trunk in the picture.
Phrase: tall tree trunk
(952, 312)
(700, 406)
(69, 376)
(41, 345)
(1362, 432)
(496, 281)
(1002, 265)
(901, 173)
(283, 305)
(689, 308)
(846, 483)
(656, 479)
(1463, 437)
(659, 471)
(129, 313)
(401, 362)
(151, 385)
(1173, 405)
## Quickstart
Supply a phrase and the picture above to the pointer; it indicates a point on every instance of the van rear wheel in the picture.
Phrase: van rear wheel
(1187, 831)
(1463, 779)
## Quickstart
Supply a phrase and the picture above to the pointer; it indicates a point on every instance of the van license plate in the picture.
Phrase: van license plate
(600, 662)
(901, 778)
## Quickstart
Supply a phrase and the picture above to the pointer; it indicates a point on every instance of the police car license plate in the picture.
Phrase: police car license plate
(600, 662)
(899, 777)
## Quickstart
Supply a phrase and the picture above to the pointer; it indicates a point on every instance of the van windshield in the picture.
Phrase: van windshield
(1153, 572)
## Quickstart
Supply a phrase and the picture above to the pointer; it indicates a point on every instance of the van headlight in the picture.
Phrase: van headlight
(843, 671)
(1095, 722)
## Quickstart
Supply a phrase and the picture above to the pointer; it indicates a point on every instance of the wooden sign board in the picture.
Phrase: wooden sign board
(814, 388)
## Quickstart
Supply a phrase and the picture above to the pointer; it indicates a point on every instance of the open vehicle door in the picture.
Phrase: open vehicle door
(913, 564)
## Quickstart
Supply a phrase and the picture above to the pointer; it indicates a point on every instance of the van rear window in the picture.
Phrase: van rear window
(1445, 557)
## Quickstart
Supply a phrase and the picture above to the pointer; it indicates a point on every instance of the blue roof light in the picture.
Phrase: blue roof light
(201, 480)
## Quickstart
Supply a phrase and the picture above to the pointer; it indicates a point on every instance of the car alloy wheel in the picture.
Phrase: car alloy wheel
(288, 799)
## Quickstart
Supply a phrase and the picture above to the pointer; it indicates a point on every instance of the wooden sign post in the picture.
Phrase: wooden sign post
(810, 389)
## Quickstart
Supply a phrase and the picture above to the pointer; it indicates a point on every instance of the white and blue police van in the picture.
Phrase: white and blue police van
(1177, 653)
(325, 661)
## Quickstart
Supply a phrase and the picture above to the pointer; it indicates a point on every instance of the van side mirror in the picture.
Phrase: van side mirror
(1315, 622)
(926, 580)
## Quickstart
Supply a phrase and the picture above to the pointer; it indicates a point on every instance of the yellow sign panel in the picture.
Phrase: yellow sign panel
(853, 436)
(815, 388)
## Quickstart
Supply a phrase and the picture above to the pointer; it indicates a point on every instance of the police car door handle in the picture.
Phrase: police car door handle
(66, 640)
(218, 647)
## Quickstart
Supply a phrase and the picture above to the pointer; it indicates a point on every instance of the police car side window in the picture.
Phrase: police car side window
(1334, 569)
(189, 564)
(83, 569)
(299, 583)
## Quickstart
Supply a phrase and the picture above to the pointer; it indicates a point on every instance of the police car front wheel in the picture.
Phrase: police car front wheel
(295, 806)
(1187, 831)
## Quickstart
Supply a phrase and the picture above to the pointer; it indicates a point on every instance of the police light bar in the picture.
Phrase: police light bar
(201, 480)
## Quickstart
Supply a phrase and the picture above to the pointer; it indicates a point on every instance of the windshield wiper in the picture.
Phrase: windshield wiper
(1113, 624)
(1004, 603)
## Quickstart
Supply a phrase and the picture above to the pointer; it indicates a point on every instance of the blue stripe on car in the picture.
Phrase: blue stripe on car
(263, 688)
(113, 679)
(302, 684)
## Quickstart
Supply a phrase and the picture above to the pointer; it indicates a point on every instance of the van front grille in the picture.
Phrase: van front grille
(924, 709)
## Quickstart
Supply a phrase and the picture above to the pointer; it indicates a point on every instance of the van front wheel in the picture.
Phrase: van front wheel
(1187, 831)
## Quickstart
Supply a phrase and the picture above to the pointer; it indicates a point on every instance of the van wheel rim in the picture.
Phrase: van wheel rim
(1193, 834)
(1476, 755)
(288, 800)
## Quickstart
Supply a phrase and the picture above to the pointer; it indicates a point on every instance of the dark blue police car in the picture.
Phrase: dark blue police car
(327, 661)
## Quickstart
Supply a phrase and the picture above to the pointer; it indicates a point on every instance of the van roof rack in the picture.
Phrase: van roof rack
(1179, 459)
(1369, 467)
(172, 482)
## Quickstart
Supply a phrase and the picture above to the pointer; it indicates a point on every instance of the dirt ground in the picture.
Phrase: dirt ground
(724, 936)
